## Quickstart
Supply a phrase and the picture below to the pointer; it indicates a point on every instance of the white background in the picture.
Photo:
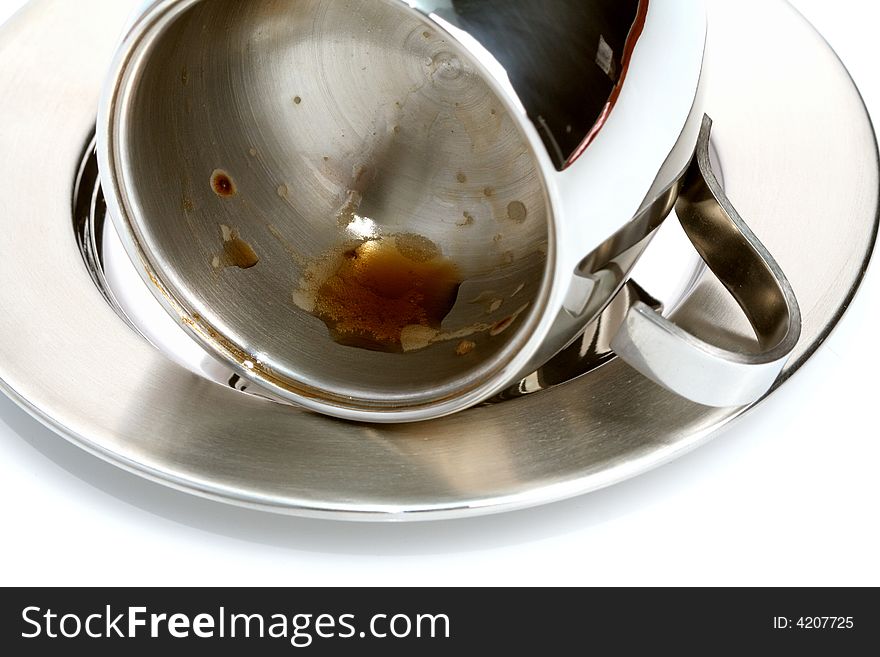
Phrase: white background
(789, 496)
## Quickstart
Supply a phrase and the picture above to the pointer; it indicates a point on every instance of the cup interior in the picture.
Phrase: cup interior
(335, 189)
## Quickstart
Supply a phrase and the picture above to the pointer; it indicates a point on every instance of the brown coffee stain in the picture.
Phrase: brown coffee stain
(517, 212)
(367, 293)
(223, 184)
(236, 252)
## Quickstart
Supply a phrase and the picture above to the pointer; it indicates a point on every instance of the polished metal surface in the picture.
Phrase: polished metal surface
(342, 126)
(118, 279)
(810, 194)
(693, 368)
(565, 60)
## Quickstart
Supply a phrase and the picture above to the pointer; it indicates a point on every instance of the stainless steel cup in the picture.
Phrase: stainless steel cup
(391, 210)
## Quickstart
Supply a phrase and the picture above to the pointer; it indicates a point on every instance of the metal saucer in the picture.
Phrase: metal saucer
(809, 191)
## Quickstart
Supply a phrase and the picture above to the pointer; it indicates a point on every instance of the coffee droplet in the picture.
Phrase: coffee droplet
(383, 287)
(222, 184)
(517, 212)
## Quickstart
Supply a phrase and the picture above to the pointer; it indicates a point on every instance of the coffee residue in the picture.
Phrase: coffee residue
(517, 212)
(392, 294)
(381, 287)
(236, 252)
(465, 347)
(416, 337)
(222, 184)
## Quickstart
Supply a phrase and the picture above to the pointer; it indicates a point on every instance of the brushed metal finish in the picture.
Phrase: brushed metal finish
(810, 193)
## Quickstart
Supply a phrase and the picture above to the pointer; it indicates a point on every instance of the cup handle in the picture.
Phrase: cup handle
(687, 365)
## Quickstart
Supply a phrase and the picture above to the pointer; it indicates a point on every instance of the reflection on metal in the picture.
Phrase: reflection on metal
(71, 361)
(432, 135)
(564, 59)
(89, 215)
(590, 351)
(692, 367)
